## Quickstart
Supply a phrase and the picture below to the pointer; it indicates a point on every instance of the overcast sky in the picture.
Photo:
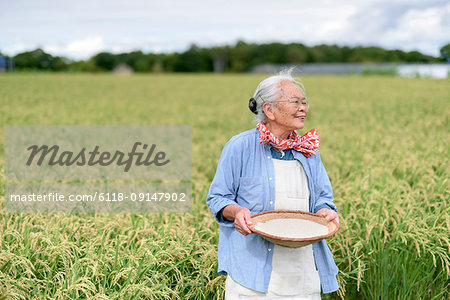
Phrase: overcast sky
(80, 28)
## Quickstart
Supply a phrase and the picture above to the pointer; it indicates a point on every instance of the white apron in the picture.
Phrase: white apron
(294, 274)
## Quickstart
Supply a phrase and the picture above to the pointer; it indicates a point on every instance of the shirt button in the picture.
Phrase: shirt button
(268, 157)
(269, 249)
(270, 178)
(271, 202)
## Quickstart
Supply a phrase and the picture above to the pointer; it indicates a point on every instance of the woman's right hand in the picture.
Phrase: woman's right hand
(241, 217)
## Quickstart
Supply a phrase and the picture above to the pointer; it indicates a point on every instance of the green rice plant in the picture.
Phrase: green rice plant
(384, 143)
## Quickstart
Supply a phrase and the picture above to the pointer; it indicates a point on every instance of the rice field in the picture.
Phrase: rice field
(384, 143)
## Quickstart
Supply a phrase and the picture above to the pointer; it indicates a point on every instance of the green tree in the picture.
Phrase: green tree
(105, 61)
(415, 56)
(445, 52)
(241, 56)
(33, 60)
(169, 61)
(296, 54)
(395, 56)
(142, 65)
(220, 57)
(194, 60)
(84, 66)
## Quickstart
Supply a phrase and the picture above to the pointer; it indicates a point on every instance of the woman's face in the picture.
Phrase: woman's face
(287, 115)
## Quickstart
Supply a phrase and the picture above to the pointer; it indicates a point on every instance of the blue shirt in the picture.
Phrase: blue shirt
(244, 176)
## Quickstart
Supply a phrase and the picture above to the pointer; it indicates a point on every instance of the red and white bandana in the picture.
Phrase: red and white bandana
(305, 143)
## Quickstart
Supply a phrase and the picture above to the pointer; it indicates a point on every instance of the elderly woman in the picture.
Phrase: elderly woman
(271, 167)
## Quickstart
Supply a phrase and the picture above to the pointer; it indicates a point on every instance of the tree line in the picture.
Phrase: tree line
(238, 58)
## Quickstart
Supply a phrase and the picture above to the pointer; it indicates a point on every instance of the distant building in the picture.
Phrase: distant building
(3, 64)
(123, 69)
(326, 68)
(404, 70)
(424, 70)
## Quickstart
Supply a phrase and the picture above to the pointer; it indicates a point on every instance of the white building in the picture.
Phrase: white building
(424, 70)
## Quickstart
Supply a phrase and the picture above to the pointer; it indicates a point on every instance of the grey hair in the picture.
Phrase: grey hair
(269, 91)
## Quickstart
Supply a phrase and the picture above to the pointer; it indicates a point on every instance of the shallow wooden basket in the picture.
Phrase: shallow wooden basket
(291, 214)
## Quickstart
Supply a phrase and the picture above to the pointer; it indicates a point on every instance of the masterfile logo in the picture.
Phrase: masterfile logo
(68, 158)
(110, 168)
(98, 152)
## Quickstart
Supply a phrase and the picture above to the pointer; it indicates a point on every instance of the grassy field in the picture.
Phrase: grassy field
(384, 142)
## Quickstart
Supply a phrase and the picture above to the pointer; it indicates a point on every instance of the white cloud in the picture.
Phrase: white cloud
(14, 49)
(406, 25)
(85, 48)
(416, 23)
(157, 49)
(77, 49)
(80, 28)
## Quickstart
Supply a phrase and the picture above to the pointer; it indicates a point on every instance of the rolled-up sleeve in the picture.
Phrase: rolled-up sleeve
(225, 183)
(323, 188)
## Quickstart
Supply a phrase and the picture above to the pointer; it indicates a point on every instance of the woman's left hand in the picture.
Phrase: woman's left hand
(329, 214)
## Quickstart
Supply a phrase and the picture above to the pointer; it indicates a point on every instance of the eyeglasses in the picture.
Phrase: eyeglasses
(297, 102)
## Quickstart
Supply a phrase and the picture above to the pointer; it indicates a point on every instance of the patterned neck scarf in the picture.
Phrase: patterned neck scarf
(305, 143)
